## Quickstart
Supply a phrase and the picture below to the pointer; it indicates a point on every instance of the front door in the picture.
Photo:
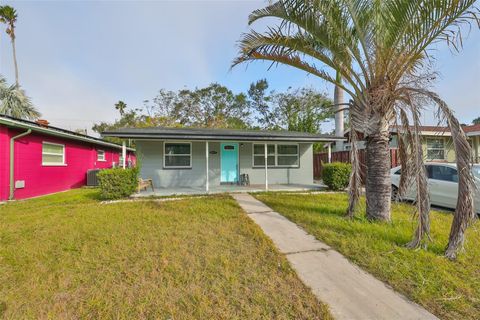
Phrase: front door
(229, 162)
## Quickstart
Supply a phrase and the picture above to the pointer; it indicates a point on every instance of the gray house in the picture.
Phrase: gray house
(220, 159)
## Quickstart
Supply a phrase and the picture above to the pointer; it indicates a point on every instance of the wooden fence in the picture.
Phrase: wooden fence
(344, 156)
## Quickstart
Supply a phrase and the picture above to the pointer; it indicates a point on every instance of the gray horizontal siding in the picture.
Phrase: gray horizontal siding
(150, 154)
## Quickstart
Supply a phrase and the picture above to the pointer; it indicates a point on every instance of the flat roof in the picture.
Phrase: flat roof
(54, 131)
(164, 133)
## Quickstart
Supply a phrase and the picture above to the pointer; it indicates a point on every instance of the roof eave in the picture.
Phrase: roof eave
(138, 136)
(17, 124)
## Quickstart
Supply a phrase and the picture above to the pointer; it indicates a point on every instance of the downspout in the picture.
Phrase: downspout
(12, 161)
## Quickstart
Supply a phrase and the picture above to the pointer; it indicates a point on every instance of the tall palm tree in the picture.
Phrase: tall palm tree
(15, 103)
(381, 51)
(8, 15)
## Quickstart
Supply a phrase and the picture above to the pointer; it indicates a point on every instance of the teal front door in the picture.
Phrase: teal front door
(229, 162)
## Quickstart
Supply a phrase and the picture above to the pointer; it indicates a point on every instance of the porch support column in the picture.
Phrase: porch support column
(266, 167)
(206, 167)
(330, 153)
(124, 154)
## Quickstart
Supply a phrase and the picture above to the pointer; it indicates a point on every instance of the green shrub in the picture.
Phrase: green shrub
(117, 183)
(336, 175)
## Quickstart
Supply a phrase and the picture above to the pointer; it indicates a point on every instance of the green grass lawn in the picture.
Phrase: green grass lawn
(68, 256)
(450, 290)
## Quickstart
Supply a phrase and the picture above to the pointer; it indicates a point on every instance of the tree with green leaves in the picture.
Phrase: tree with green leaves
(381, 51)
(121, 106)
(303, 109)
(214, 106)
(15, 103)
(476, 121)
(260, 101)
(8, 15)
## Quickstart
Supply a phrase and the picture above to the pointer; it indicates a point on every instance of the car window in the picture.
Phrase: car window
(443, 173)
(429, 171)
(476, 171)
(399, 171)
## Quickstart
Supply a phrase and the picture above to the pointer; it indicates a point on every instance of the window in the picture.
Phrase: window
(53, 154)
(287, 155)
(101, 155)
(443, 173)
(177, 155)
(436, 149)
(278, 155)
(259, 155)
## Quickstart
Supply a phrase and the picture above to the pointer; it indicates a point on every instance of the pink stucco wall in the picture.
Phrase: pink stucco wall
(4, 162)
(40, 179)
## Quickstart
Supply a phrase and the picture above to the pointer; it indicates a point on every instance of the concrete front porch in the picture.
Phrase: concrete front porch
(162, 192)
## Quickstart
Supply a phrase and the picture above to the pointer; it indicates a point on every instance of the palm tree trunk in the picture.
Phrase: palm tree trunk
(15, 61)
(378, 182)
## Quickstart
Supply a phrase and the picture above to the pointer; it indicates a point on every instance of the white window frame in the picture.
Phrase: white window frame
(174, 155)
(103, 158)
(444, 150)
(53, 164)
(276, 165)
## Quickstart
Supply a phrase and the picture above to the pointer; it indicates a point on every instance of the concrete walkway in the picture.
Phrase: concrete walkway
(350, 292)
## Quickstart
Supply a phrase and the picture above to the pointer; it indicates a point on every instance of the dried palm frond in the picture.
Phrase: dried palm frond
(419, 172)
(464, 212)
(355, 177)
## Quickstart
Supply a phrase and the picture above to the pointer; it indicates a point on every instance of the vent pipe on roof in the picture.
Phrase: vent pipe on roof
(42, 122)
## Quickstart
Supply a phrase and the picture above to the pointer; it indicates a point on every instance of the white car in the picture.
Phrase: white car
(442, 185)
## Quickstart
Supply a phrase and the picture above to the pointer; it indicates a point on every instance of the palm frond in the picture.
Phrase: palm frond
(15, 103)
(464, 212)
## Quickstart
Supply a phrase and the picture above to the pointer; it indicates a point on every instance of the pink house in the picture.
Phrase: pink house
(46, 159)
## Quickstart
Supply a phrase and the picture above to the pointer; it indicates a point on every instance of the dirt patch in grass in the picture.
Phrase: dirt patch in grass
(66, 256)
(449, 289)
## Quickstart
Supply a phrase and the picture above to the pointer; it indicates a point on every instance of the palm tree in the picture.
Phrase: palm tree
(8, 15)
(381, 50)
(15, 103)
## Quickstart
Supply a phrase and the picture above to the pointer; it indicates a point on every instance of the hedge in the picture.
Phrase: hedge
(117, 183)
(336, 175)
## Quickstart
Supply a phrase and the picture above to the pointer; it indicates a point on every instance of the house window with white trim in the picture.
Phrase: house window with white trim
(435, 148)
(259, 155)
(53, 154)
(177, 155)
(287, 155)
(279, 155)
(101, 155)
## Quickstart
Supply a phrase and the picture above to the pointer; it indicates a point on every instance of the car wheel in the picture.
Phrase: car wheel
(395, 194)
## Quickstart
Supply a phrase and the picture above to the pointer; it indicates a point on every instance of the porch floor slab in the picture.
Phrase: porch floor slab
(162, 192)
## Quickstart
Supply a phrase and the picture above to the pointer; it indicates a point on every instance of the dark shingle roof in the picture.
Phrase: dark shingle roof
(217, 134)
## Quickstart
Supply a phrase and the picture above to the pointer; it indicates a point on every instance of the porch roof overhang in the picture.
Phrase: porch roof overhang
(204, 134)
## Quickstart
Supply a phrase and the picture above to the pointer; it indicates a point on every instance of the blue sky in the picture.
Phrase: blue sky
(76, 59)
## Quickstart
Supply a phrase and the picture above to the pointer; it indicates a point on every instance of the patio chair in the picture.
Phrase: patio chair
(143, 184)
(244, 179)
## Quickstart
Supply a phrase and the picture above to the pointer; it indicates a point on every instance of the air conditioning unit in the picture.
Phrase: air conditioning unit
(92, 180)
